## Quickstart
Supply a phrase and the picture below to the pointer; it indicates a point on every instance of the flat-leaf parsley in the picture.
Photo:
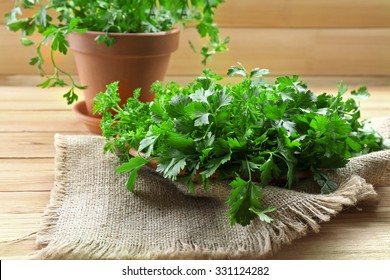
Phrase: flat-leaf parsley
(251, 132)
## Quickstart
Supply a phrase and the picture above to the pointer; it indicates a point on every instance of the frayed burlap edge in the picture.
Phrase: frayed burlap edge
(57, 195)
(386, 177)
(291, 222)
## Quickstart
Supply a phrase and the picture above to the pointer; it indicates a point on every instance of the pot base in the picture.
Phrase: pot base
(91, 122)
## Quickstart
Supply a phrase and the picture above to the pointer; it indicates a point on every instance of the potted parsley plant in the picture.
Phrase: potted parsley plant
(112, 40)
(251, 133)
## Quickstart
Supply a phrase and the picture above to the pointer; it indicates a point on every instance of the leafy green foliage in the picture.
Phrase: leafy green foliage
(108, 16)
(252, 132)
(245, 202)
(327, 185)
(132, 166)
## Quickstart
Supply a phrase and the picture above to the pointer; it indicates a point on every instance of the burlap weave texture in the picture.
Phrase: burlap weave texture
(91, 215)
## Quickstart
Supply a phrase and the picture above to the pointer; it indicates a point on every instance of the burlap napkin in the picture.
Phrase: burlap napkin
(91, 215)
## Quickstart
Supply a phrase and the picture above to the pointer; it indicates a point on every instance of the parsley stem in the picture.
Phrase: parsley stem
(40, 60)
(58, 69)
(249, 169)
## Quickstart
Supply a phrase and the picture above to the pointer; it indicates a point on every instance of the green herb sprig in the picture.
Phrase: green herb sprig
(108, 16)
(251, 132)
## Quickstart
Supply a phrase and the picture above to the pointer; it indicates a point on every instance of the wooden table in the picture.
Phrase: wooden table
(29, 118)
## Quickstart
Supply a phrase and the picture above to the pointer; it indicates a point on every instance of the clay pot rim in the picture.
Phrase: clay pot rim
(127, 44)
(174, 30)
(92, 122)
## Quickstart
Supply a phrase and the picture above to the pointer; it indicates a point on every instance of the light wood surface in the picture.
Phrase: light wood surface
(29, 118)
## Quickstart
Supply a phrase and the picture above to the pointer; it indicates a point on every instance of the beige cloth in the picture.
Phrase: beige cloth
(91, 215)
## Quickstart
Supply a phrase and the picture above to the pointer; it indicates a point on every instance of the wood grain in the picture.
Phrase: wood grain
(35, 98)
(8, 82)
(283, 51)
(348, 235)
(38, 121)
(297, 51)
(304, 13)
(26, 145)
(38, 174)
(28, 106)
(23, 202)
(296, 13)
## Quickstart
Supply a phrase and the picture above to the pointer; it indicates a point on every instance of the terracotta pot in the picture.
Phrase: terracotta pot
(136, 60)
(91, 122)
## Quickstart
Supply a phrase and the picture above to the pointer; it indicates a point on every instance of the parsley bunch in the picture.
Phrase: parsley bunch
(108, 16)
(252, 132)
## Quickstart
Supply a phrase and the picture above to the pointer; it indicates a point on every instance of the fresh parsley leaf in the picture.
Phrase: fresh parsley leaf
(133, 163)
(269, 170)
(234, 70)
(245, 202)
(326, 184)
(253, 133)
(361, 93)
(148, 142)
(26, 42)
(132, 167)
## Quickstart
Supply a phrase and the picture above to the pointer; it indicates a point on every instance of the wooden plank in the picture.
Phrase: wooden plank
(339, 242)
(18, 115)
(325, 52)
(21, 250)
(34, 98)
(18, 226)
(283, 51)
(26, 145)
(38, 175)
(12, 224)
(23, 202)
(20, 216)
(39, 121)
(297, 13)
(22, 81)
(304, 13)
